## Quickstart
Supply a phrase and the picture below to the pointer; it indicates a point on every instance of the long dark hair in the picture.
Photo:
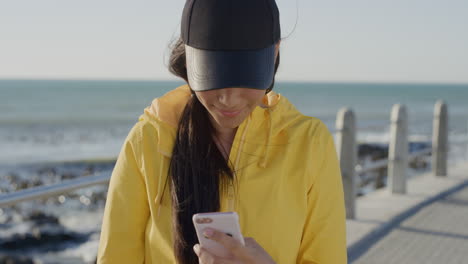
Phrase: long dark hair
(198, 170)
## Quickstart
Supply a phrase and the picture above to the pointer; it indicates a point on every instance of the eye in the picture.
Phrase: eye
(228, 234)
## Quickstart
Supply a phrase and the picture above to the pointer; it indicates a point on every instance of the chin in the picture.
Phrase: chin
(229, 124)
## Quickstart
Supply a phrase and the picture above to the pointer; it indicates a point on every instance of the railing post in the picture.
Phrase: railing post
(398, 150)
(347, 152)
(440, 139)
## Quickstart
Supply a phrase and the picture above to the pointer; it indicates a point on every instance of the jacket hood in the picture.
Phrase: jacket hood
(274, 115)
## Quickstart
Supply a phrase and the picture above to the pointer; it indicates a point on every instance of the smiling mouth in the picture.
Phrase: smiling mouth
(230, 113)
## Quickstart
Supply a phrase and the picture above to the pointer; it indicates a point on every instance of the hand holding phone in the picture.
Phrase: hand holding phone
(227, 222)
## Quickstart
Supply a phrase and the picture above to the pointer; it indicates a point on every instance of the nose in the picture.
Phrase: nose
(228, 97)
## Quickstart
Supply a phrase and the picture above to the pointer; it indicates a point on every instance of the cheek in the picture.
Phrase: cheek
(205, 100)
(256, 98)
(250, 98)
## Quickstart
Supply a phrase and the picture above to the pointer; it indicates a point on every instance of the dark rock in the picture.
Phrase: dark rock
(19, 184)
(45, 234)
(67, 176)
(42, 241)
(89, 171)
(419, 163)
(15, 260)
(36, 181)
(22, 185)
(12, 177)
(418, 146)
(4, 190)
(49, 171)
(380, 151)
(375, 151)
(39, 218)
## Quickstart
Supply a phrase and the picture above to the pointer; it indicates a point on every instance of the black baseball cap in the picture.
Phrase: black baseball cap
(230, 43)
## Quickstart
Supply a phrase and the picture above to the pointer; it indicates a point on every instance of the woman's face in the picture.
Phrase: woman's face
(229, 107)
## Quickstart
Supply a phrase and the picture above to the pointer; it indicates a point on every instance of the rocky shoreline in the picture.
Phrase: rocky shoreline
(35, 229)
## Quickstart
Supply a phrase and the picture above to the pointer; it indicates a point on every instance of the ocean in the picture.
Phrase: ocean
(54, 120)
(55, 130)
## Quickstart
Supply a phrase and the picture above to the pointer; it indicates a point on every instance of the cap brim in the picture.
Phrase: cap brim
(217, 69)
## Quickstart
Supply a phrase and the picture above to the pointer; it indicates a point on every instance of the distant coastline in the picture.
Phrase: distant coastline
(279, 81)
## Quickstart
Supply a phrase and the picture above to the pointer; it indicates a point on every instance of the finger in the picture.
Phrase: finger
(221, 237)
(234, 246)
(206, 257)
(196, 249)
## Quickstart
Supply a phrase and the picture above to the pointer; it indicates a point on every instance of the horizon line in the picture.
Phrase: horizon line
(276, 81)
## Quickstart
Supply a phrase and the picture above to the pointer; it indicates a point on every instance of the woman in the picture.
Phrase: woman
(225, 141)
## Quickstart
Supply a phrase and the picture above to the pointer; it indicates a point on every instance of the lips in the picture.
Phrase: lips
(230, 113)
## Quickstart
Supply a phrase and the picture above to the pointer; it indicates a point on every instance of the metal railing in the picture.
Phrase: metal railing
(52, 190)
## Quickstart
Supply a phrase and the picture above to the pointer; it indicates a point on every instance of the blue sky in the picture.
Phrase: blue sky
(360, 40)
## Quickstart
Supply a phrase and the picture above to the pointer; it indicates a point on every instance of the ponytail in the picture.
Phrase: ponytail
(197, 168)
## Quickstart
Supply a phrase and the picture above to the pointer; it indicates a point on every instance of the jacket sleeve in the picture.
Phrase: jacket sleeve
(324, 234)
(126, 211)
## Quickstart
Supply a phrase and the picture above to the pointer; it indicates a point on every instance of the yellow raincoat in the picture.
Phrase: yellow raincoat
(289, 196)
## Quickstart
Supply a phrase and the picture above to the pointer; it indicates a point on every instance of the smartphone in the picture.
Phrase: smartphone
(227, 222)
